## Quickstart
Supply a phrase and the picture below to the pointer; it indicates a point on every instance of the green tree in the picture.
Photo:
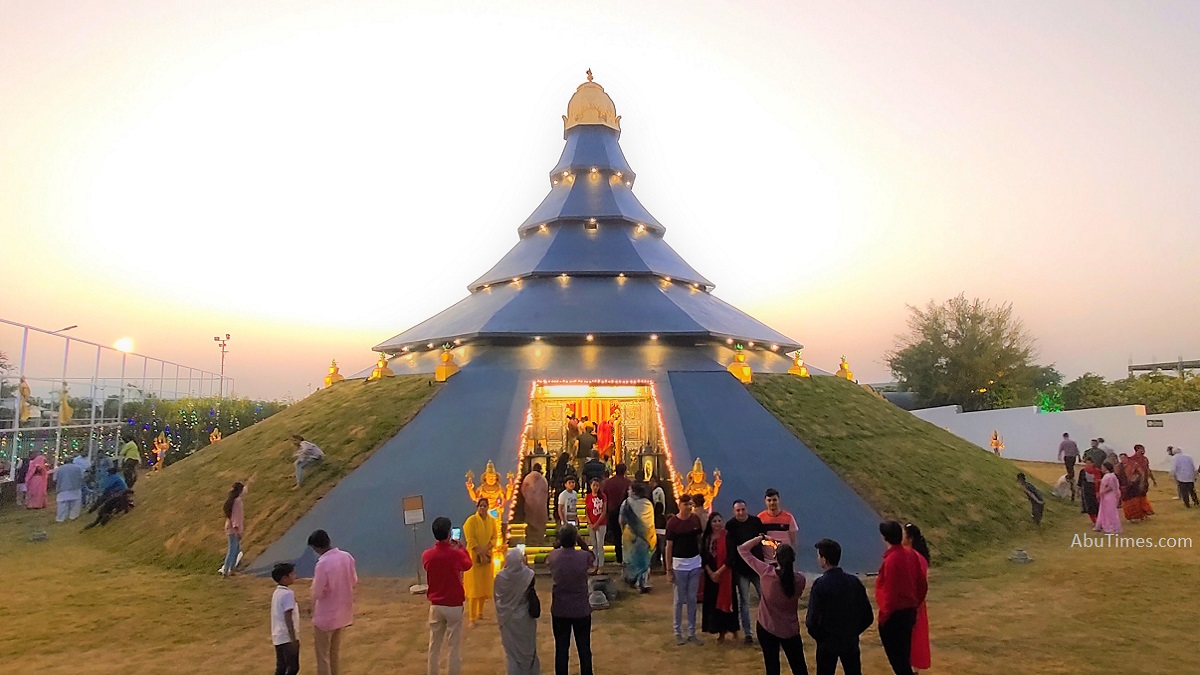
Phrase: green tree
(969, 353)
(1086, 391)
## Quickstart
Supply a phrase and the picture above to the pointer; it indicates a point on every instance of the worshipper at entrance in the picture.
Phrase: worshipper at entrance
(444, 564)
(615, 489)
(1183, 469)
(778, 621)
(592, 468)
(1037, 504)
(334, 578)
(68, 491)
(536, 493)
(568, 503)
(900, 589)
(306, 455)
(518, 630)
(684, 567)
(563, 469)
(480, 534)
(36, 477)
(914, 540)
(1089, 488)
(719, 602)
(838, 612)
(570, 611)
(638, 536)
(742, 528)
(1108, 520)
(234, 527)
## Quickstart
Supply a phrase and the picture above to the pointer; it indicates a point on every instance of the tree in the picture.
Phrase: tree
(969, 353)
(1086, 391)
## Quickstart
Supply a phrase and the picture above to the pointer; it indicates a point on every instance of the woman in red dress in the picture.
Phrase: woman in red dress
(920, 636)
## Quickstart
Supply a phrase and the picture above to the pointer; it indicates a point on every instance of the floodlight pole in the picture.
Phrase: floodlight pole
(221, 342)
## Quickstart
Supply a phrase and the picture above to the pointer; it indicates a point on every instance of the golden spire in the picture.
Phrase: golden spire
(590, 105)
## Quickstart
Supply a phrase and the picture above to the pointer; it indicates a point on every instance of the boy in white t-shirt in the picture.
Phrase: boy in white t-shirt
(568, 504)
(284, 617)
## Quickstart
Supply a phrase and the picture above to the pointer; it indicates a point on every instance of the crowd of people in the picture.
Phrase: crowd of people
(106, 487)
(1110, 485)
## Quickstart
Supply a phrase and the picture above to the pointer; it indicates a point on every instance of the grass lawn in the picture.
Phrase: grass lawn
(178, 521)
(80, 599)
(904, 467)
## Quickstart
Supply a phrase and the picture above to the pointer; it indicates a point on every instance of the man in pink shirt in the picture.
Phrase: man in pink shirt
(779, 524)
(333, 600)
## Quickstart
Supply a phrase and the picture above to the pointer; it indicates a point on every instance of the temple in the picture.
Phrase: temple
(591, 319)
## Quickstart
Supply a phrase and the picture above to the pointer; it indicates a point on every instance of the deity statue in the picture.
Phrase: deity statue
(997, 442)
(334, 375)
(844, 371)
(491, 489)
(161, 445)
(25, 394)
(698, 485)
(65, 411)
(381, 369)
(214, 436)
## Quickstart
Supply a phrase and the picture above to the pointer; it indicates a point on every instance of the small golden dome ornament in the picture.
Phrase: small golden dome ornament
(334, 375)
(844, 371)
(447, 367)
(798, 368)
(381, 369)
(739, 368)
(590, 105)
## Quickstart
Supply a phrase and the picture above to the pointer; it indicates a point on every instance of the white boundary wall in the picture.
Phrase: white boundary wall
(1032, 435)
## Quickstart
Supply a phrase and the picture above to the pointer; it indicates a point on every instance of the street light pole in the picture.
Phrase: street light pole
(221, 342)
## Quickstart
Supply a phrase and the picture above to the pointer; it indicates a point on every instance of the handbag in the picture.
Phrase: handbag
(535, 603)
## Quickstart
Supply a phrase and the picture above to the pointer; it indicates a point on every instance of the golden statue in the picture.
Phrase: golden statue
(161, 446)
(214, 436)
(739, 367)
(698, 484)
(798, 367)
(997, 442)
(447, 367)
(381, 369)
(25, 394)
(65, 411)
(334, 375)
(844, 371)
(497, 495)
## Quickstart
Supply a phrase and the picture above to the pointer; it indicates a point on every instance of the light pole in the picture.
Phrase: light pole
(221, 342)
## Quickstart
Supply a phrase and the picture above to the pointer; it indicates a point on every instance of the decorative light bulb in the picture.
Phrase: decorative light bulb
(750, 344)
(566, 173)
(590, 337)
(430, 345)
(542, 227)
(594, 169)
(516, 279)
(653, 336)
(728, 341)
(537, 337)
(564, 277)
(667, 279)
(618, 174)
(621, 275)
(458, 341)
(774, 348)
(628, 183)
(641, 228)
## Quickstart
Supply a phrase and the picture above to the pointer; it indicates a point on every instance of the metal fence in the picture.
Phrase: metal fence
(64, 395)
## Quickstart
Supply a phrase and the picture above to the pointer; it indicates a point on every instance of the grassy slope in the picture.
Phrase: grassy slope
(178, 521)
(962, 497)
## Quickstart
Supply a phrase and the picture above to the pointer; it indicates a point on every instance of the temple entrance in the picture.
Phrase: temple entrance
(624, 421)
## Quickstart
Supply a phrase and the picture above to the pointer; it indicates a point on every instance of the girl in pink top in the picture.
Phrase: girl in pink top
(234, 527)
(778, 619)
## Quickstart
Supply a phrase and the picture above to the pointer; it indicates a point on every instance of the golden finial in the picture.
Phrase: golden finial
(589, 74)
(844, 371)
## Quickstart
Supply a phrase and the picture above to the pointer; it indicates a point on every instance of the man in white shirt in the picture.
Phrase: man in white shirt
(568, 504)
(1184, 471)
(307, 454)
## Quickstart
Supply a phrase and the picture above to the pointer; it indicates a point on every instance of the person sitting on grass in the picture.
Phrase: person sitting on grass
(285, 616)
(307, 454)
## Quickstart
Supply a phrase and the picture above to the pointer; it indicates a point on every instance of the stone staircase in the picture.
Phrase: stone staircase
(536, 555)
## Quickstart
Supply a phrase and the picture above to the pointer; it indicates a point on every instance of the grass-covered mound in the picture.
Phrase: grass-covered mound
(963, 497)
(178, 520)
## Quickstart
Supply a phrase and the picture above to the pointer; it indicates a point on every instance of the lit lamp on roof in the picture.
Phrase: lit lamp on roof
(447, 367)
(798, 368)
(844, 371)
(334, 375)
(381, 369)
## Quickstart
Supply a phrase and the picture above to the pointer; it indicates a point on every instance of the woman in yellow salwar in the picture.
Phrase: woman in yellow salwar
(480, 534)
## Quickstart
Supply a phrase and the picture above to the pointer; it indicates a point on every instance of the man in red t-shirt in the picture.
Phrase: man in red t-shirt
(596, 506)
(616, 490)
(900, 589)
(778, 524)
(444, 565)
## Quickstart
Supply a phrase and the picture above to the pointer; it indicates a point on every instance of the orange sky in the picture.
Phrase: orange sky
(314, 177)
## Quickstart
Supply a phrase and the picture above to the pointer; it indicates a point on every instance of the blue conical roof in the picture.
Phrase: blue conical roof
(590, 260)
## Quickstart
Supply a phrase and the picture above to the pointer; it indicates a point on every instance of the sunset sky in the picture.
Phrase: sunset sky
(314, 178)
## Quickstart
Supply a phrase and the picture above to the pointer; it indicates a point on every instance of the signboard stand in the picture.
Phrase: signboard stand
(414, 515)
